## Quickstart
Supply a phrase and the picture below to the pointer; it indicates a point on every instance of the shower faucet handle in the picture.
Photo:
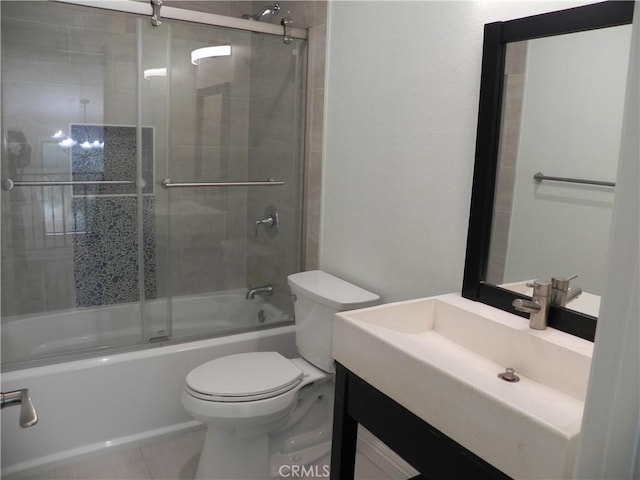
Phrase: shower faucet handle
(271, 220)
(28, 414)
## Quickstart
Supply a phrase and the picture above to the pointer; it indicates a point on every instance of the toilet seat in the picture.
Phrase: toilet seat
(244, 377)
(277, 401)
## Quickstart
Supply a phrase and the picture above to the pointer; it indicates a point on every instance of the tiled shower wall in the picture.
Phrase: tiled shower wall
(311, 15)
(274, 126)
(201, 231)
(269, 258)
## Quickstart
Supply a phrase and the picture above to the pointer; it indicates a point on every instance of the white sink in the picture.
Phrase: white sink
(440, 358)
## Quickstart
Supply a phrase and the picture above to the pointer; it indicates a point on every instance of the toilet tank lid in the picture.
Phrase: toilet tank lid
(331, 291)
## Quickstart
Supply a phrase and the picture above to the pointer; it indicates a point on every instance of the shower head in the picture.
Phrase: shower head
(267, 10)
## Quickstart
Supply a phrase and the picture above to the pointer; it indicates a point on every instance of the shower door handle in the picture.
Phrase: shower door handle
(168, 183)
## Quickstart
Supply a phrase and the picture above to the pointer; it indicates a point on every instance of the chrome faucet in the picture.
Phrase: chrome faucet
(266, 290)
(538, 306)
(561, 294)
(271, 221)
(28, 415)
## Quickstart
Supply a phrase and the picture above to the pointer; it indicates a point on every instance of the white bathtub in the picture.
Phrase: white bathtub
(48, 336)
(98, 403)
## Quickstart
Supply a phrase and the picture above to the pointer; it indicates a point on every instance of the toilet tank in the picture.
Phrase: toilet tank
(317, 297)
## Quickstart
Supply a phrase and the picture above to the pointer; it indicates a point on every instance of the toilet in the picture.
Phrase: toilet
(266, 413)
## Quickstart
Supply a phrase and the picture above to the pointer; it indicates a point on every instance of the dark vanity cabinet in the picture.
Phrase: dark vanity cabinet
(428, 450)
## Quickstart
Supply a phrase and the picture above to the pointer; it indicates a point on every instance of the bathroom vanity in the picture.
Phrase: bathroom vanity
(427, 376)
(426, 448)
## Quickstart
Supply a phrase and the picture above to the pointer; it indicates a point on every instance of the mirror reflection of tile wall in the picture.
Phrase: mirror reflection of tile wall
(514, 74)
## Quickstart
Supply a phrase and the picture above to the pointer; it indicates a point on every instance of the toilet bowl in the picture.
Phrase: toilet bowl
(263, 411)
(243, 399)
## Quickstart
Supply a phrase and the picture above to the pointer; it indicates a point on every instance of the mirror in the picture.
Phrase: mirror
(562, 110)
(545, 107)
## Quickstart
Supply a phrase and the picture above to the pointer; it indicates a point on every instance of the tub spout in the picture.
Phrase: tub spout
(28, 415)
(266, 290)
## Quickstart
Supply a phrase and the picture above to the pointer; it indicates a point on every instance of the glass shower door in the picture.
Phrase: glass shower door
(98, 108)
(234, 116)
(73, 274)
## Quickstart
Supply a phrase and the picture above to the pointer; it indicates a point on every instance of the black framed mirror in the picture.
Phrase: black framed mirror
(497, 37)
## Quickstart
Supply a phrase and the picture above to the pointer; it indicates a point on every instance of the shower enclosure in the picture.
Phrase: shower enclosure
(144, 190)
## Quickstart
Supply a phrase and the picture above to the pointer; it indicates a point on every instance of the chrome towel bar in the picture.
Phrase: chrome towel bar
(168, 183)
(539, 177)
(8, 184)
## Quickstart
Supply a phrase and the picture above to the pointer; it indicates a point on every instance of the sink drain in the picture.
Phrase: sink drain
(509, 375)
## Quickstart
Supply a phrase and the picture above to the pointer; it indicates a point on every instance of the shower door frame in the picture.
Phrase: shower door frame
(173, 13)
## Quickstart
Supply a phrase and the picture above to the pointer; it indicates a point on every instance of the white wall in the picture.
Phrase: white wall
(572, 113)
(401, 113)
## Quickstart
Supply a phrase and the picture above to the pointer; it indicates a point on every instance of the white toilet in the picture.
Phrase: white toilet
(264, 412)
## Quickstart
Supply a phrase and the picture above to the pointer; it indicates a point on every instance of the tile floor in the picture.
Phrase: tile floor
(169, 458)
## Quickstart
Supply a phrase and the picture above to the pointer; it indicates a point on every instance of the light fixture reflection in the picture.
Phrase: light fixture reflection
(86, 145)
(154, 72)
(64, 141)
(67, 143)
(206, 52)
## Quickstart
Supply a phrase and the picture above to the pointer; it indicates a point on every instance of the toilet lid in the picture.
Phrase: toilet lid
(244, 377)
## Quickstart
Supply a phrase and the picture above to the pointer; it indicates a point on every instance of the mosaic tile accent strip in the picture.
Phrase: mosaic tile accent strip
(108, 152)
(105, 216)
(106, 254)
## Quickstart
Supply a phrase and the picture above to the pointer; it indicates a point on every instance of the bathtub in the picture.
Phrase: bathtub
(65, 335)
(117, 399)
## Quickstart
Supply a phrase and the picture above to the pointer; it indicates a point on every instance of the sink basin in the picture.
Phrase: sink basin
(440, 357)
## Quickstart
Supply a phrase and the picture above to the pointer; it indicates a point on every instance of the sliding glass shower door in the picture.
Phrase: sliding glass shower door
(235, 116)
(71, 254)
(98, 108)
